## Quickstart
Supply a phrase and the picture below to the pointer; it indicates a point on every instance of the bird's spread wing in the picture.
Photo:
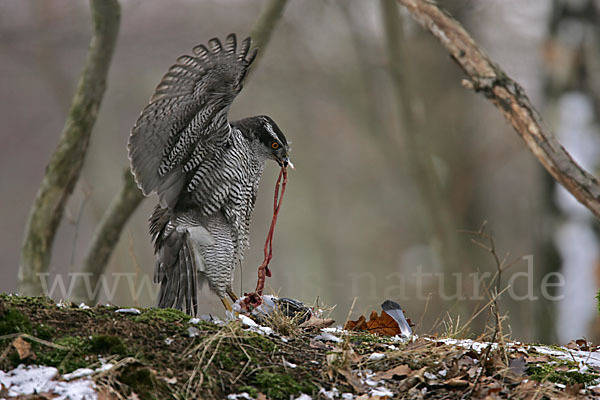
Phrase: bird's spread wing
(184, 129)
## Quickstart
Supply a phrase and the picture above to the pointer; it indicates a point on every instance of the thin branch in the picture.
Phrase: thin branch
(107, 235)
(486, 77)
(262, 29)
(65, 165)
(129, 196)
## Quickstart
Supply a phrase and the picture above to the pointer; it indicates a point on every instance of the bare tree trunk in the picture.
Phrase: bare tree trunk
(65, 165)
(107, 235)
(126, 201)
(486, 77)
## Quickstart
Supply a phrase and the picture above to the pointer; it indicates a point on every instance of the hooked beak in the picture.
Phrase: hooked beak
(286, 162)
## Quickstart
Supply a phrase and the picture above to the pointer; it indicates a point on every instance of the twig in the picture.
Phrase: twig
(508, 96)
(35, 339)
(65, 165)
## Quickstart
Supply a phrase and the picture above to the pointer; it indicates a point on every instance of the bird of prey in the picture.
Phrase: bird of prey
(205, 169)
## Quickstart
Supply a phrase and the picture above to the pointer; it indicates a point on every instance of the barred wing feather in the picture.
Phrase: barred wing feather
(186, 121)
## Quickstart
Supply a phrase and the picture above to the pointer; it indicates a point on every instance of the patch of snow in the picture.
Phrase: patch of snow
(334, 329)
(442, 372)
(253, 326)
(430, 376)
(84, 306)
(584, 358)
(402, 338)
(347, 396)
(467, 343)
(194, 321)
(27, 380)
(210, 318)
(289, 364)
(265, 329)
(238, 396)
(39, 379)
(62, 304)
(303, 397)
(330, 394)
(78, 373)
(371, 382)
(82, 389)
(128, 311)
(168, 341)
(247, 321)
(192, 331)
(326, 336)
(376, 356)
(381, 392)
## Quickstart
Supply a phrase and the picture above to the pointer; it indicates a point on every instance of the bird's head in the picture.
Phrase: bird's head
(271, 141)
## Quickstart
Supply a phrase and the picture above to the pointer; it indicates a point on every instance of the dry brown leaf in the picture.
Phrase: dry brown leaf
(456, 382)
(573, 390)
(398, 372)
(473, 371)
(517, 366)
(353, 380)
(358, 325)
(317, 344)
(316, 323)
(537, 359)
(377, 324)
(23, 348)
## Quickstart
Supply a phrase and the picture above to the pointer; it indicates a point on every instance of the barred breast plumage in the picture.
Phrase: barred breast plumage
(205, 170)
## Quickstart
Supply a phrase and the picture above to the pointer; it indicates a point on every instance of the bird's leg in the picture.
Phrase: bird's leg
(226, 304)
(231, 294)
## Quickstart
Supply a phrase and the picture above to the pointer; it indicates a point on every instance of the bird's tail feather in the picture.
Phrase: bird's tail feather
(178, 239)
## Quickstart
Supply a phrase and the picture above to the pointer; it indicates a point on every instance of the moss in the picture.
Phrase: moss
(13, 321)
(31, 302)
(231, 356)
(252, 392)
(76, 354)
(162, 315)
(106, 344)
(549, 372)
(281, 386)
(43, 331)
(142, 382)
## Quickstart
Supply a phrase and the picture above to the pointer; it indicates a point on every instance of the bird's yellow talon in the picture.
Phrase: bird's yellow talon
(226, 304)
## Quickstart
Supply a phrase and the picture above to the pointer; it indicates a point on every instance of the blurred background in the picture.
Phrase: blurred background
(387, 175)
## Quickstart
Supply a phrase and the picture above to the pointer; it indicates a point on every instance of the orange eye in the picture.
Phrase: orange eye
(275, 145)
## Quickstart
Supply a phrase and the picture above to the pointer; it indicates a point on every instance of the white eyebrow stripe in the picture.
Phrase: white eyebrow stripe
(269, 129)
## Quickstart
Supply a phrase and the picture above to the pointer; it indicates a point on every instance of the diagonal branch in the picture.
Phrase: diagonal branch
(507, 95)
(65, 165)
